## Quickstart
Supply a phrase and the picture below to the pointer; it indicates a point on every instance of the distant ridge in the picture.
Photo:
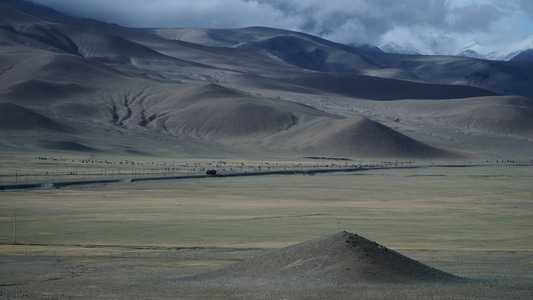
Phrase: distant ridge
(526, 55)
(40, 11)
(375, 88)
(313, 53)
(14, 117)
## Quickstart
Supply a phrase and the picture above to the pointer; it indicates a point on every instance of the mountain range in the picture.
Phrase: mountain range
(81, 85)
(447, 45)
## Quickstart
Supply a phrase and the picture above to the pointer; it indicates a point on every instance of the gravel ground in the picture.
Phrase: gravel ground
(341, 266)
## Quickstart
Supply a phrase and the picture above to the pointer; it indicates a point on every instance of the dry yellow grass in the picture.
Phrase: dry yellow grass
(472, 221)
(111, 239)
(456, 209)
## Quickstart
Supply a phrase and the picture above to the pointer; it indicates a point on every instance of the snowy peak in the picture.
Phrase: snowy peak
(397, 49)
(443, 44)
(476, 50)
(439, 44)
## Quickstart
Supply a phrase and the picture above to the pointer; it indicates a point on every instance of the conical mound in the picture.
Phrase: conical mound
(369, 138)
(342, 258)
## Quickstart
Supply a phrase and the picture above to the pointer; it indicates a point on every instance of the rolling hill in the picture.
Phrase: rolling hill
(81, 85)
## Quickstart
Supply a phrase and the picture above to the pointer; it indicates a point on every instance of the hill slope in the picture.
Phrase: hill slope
(258, 91)
(313, 53)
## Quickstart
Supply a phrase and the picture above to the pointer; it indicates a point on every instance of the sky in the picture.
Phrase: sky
(449, 24)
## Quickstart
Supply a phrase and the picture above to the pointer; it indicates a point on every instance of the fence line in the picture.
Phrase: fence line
(67, 172)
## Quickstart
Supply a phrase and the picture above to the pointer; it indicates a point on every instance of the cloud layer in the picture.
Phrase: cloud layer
(491, 22)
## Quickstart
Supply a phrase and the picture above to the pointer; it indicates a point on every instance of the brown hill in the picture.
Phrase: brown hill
(230, 117)
(14, 117)
(341, 258)
(313, 53)
(505, 116)
(66, 146)
(352, 137)
(375, 88)
(220, 113)
(213, 112)
(504, 78)
(245, 90)
(367, 138)
(43, 91)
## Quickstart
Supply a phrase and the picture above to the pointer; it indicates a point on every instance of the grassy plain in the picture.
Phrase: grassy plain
(138, 239)
(470, 208)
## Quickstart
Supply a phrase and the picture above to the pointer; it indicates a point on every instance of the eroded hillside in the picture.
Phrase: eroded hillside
(253, 90)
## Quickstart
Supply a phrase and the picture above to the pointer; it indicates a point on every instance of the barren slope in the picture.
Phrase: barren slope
(251, 90)
(342, 258)
(15, 117)
(508, 116)
(507, 78)
(368, 138)
(375, 88)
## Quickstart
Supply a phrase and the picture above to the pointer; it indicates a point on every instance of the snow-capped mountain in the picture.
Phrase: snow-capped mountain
(397, 49)
(446, 45)
(477, 50)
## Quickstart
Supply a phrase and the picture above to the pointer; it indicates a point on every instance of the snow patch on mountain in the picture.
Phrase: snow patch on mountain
(442, 44)
(397, 49)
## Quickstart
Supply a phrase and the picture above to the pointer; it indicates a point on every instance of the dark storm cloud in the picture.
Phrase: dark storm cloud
(363, 20)
(474, 17)
(170, 13)
(347, 21)
(526, 6)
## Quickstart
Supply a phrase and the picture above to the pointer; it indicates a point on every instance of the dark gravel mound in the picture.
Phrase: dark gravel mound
(342, 258)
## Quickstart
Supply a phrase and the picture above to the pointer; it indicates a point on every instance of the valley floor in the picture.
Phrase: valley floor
(144, 239)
